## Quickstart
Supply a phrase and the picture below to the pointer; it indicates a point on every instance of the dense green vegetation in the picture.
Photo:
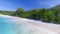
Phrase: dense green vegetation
(51, 15)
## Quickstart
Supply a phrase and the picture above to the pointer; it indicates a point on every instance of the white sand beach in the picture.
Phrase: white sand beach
(35, 27)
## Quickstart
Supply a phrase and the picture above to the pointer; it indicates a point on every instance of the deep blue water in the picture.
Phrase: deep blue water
(7, 26)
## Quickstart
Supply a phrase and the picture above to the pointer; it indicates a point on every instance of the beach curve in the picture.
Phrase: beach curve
(37, 27)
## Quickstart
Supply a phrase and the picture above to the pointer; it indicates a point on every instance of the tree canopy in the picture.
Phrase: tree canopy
(50, 15)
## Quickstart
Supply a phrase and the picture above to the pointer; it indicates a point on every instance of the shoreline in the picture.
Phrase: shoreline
(48, 26)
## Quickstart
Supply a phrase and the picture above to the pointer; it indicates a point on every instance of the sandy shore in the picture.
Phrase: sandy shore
(37, 27)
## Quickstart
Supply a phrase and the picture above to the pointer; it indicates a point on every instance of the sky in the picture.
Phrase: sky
(27, 4)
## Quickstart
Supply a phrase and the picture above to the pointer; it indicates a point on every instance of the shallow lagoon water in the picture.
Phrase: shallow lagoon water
(12, 25)
(7, 26)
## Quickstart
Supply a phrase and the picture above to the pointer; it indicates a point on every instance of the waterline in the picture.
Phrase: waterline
(15, 25)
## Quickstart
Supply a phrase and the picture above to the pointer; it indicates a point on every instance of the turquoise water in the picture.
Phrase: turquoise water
(7, 26)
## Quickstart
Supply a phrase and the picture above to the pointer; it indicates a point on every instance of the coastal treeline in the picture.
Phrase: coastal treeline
(50, 15)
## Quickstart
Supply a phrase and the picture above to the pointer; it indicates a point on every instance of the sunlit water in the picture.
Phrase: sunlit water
(9, 25)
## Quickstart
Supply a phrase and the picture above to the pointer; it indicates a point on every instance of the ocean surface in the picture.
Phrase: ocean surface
(7, 26)
(14, 25)
(10, 26)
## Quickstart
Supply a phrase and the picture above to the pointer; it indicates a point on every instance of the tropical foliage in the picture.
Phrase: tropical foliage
(50, 15)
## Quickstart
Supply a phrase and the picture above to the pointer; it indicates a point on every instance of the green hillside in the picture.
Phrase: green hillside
(50, 15)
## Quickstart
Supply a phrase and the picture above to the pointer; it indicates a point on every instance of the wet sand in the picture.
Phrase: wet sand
(36, 27)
